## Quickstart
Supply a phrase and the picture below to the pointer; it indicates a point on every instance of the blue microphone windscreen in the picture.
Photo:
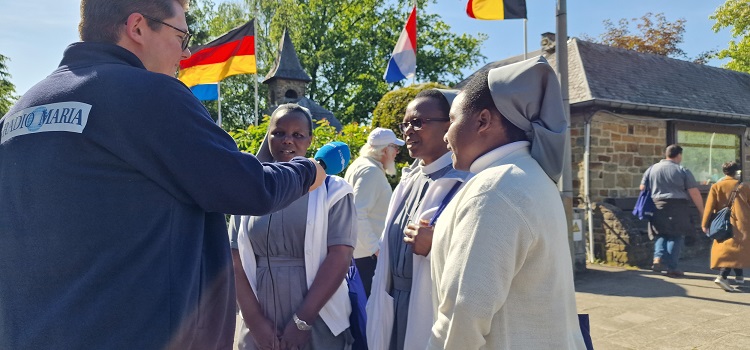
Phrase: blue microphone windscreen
(335, 155)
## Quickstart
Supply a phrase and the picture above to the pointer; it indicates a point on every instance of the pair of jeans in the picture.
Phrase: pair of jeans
(726, 270)
(667, 249)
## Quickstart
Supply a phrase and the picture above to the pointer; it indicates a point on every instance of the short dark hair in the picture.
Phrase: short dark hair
(102, 20)
(477, 96)
(445, 107)
(673, 151)
(730, 168)
(291, 108)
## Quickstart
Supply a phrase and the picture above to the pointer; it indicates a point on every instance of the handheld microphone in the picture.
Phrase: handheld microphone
(333, 157)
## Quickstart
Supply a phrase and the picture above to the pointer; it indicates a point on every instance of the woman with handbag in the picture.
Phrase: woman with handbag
(733, 253)
(290, 285)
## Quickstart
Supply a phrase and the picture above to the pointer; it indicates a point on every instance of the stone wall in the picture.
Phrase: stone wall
(621, 150)
(278, 88)
(619, 237)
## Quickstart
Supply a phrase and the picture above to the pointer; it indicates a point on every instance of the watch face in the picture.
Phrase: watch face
(301, 325)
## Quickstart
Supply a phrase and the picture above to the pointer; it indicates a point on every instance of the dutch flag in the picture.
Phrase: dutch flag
(403, 62)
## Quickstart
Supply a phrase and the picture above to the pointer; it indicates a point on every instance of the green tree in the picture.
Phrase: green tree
(7, 89)
(735, 14)
(343, 45)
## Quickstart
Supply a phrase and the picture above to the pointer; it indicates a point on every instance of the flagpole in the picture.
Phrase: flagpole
(218, 90)
(416, 21)
(525, 40)
(255, 76)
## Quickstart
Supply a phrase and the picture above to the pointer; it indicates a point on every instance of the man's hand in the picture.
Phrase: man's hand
(320, 176)
(420, 237)
(264, 334)
(293, 338)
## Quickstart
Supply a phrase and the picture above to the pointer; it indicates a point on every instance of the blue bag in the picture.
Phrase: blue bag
(358, 317)
(721, 225)
(644, 206)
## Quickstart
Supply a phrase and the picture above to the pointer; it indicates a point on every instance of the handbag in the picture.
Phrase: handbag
(358, 317)
(721, 225)
(644, 206)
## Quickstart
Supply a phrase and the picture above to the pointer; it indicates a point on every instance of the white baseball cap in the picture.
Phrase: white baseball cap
(382, 137)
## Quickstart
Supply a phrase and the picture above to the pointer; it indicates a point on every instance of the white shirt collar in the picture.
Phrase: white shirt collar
(484, 161)
(438, 164)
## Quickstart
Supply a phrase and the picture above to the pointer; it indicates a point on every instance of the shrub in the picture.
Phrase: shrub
(353, 134)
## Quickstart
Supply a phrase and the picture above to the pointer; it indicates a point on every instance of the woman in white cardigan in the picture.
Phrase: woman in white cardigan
(285, 302)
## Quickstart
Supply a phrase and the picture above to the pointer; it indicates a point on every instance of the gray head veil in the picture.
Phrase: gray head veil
(528, 94)
(264, 152)
(449, 95)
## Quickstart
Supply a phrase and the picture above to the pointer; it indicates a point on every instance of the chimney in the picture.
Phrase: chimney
(548, 43)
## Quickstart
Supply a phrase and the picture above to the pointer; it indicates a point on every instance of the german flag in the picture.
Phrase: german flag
(231, 54)
(496, 9)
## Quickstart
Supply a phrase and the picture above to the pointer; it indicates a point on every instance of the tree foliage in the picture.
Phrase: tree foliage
(355, 135)
(344, 46)
(655, 35)
(7, 89)
(735, 14)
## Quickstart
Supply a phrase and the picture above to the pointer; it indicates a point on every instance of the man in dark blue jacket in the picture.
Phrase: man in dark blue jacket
(113, 184)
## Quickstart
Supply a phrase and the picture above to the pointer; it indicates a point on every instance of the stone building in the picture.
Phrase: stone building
(630, 106)
(287, 83)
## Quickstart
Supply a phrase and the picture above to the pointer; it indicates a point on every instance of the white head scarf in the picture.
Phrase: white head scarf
(528, 94)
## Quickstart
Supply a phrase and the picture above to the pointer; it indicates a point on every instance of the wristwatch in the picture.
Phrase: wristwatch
(301, 325)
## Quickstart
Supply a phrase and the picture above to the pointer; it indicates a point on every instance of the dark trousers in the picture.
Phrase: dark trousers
(725, 272)
(366, 268)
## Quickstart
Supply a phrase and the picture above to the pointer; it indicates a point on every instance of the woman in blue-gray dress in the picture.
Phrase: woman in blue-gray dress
(285, 302)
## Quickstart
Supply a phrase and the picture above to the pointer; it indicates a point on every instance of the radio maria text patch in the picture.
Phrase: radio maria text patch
(61, 116)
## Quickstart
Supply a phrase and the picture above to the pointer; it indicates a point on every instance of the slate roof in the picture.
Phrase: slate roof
(608, 76)
(287, 64)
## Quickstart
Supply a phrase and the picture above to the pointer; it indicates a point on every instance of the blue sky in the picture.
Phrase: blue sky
(34, 33)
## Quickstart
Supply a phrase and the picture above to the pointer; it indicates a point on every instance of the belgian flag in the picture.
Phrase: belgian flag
(496, 9)
(231, 54)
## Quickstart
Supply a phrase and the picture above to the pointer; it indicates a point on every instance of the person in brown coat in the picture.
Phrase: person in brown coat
(734, 253)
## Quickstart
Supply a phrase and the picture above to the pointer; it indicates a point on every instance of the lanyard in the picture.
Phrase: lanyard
(444, 203)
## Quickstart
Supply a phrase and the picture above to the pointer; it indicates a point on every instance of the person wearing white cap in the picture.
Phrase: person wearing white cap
(501, 268)
(372, 192)
(399, 310)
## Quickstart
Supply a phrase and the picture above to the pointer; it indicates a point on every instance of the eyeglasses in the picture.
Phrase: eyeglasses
(417, 123)
(185, 39)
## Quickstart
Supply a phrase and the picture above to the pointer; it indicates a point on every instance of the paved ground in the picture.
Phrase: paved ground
(640, 309)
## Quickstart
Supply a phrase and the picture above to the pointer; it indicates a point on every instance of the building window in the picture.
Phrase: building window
(706, 148)
(291, 94)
